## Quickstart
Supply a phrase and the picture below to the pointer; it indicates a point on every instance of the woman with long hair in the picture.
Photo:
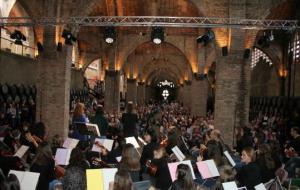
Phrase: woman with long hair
(130, 162)
(184, 179)
(266, 162)
(122, 181)
(250, 174)
(43, 163)
(79, 117)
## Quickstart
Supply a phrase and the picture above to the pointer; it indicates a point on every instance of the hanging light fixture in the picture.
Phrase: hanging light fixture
(18, 37)
(109, 34)
(69, 38)
(157, 35)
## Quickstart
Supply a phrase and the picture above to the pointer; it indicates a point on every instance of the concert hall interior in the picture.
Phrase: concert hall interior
(149, 94)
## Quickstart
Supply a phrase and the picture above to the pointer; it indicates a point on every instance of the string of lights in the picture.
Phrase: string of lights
(151, 21)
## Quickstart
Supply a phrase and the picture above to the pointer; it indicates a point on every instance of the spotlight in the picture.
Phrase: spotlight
(246, 53)
(157, 35)
(40, 47)
(69, 38)
(59, 46)
(266, 39)
(18, 37)
(224, 51)
(206, 38)
(109, 34)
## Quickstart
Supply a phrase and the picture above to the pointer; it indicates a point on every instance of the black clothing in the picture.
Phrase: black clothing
(266, 173)
(147, 153)
(243, 142)
(295, 143)
(249, 176)
(46, 174)
(214, 151)
(162, 176)
(129, 121)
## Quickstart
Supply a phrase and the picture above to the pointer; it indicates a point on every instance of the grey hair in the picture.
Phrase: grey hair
(74, 179)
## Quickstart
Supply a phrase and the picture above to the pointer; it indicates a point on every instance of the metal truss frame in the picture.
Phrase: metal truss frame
(149, 21)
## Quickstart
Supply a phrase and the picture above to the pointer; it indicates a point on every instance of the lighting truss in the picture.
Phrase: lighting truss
(150, 21)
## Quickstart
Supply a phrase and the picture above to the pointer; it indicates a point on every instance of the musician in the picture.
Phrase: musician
(130, 162)
(12, 139)
(79, 117)
(172, 138)
(293, 153)
(100, 120)
(184, 179)
(162, 175)
(77, 159)
(150, 138)
(9, 183)
(43, 163)
(122, 181)
(250, 174)
(129, 121)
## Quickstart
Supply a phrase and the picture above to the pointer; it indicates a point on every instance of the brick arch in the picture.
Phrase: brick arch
(151, 67)
(167, 45)
(163, 74)
(85, 66)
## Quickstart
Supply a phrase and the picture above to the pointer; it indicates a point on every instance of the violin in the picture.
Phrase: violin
(59, 172)
(101, 164)
(151, 168)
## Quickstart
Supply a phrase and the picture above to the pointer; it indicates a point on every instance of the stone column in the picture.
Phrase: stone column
(53, 85)
(131, 91)
(141, 91)
(198, 95)
(112, 91)
(187, 94)
(232, 95)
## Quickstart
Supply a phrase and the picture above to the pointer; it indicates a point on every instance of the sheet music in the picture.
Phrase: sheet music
(132, 140)
(229, 158)
(173, 167)
(94, 179)
(260, 186)
(94, 128)
(107, 143)
(212, 168)
(62, 156)
(208, 169)
(108, 176)
(70, 143)
(22, 150)
(180, 156)
(142, 140)
(28, 180)
(230, 186)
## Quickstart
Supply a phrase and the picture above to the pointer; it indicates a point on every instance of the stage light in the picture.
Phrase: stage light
(247, 53)
(59, 46)
(206, 38)
(40, 47)
(69, 38)
(109, 34)
(224, 51)
(157, 35)
(18, 37)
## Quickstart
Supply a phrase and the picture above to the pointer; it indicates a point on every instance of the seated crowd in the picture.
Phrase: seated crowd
(264, 150)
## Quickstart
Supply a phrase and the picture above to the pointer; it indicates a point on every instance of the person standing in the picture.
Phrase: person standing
(100, 120)
(129, 121)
